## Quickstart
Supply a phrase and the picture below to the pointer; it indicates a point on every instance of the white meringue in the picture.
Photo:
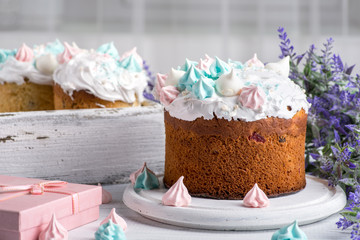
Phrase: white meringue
(173, 77)
(282, 67)
(229, 84)
(46, 63)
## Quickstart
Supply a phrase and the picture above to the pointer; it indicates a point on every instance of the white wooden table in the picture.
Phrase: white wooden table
(142, 228)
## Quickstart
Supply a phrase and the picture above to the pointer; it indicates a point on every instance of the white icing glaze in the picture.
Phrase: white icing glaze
(99, 74)
(14, 71)
(281, 92)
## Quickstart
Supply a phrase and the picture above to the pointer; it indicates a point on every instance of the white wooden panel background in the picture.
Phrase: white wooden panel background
(84, 146)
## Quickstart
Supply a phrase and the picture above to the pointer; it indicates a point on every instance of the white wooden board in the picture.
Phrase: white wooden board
(85, 146)
(316, 202)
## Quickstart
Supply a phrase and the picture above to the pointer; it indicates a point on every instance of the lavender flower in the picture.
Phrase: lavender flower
(151, 83)
(333, 137)
(351, 215)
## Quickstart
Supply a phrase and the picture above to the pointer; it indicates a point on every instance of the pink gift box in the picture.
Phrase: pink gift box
(23, 217)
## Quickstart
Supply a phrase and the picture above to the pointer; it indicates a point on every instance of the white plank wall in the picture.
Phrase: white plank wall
(84, 146)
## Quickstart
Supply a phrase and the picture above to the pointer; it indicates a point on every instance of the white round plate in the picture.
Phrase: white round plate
(317, 201)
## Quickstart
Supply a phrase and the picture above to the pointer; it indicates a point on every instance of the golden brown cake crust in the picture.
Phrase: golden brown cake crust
(25, 97)
(82, 99)
(224, 159)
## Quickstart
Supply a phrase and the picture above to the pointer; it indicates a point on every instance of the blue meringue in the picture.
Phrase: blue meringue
(147, 180)
(191, 76)
(55, 47)
(235, 64)
(290, 232)
(203, 88)
(5, 54)
(110, 231)
(110, 49)
(130, 64)
(187, 65)
(218, 68)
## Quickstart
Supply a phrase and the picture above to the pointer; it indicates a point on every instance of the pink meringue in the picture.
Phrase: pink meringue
(115, 218)
(133, 52)
(252, 97)
(168, 95)
(135, 174)
(24, 54)
(160, 83)
(54, 231)
(69, 53)
(177, 195)
(106, 196)
(204, 64)
(256, 198)
(254, 62)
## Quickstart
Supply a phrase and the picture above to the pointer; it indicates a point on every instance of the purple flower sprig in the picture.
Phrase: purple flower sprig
(288, 50)
(151, 83)
(351, 215)
(333, 131)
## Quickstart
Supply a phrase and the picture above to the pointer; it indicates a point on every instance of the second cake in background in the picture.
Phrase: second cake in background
(99, 79)
(26, 82)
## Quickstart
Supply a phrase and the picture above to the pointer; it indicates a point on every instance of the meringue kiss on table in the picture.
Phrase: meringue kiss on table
(145, 179)
(116, 219)
(291, 231)
(177, 195)
(54, 231)
(110, 231)
(256, 198)
(106, 196)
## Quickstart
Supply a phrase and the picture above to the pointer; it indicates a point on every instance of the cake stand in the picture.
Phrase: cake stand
(316, 202)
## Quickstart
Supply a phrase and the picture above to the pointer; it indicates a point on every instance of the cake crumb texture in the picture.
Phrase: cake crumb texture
(25, 97)
(224, 159)
(82, 99)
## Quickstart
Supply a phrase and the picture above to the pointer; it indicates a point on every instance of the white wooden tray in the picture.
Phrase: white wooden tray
(316, 202)
(86, 146)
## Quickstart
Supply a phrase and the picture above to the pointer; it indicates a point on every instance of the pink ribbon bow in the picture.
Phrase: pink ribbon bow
(39, 189)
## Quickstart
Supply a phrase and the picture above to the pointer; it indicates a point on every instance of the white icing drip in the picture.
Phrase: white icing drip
(100, 75)
(14, 71)
(100, 105)
(281, 92)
